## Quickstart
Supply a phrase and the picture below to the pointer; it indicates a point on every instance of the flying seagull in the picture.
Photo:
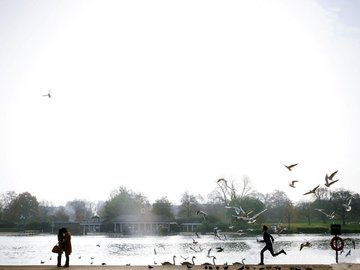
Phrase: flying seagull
(312, 190)
(238, 210)
(251, 219)
(305, 244)
(347, 205)
(330, 177)
(201, 213)
(292, 183)
(289, 167)
(329, 216)
(327, 178)
(48, 94)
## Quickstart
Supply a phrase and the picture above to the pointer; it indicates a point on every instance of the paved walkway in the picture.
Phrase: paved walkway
(179, 267)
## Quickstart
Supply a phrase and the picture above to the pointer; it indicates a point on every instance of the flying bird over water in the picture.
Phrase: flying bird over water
(289, 167)
(250, 219)
(219, 249)
(305, 244)
(348, 253)
(292, 183)
(312, 190)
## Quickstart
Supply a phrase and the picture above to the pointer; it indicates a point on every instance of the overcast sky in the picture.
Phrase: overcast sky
(165, 97)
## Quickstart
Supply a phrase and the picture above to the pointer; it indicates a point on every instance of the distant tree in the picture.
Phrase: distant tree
(124, 201)
(338, 198)
(279, 206)
(250, 205)
(162, 207)
(5, 200)
(45, 211)
(228, 190)
(23, 209)
(189, 205)
(61, 215)
(305, 210)
(80, 210)
(322, 194)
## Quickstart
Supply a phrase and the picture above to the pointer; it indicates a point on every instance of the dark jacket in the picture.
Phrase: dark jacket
(67, 243)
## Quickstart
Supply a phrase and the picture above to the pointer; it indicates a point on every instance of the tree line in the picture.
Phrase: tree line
(23, 211)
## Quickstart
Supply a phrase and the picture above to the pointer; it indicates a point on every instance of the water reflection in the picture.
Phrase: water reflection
(154, 250)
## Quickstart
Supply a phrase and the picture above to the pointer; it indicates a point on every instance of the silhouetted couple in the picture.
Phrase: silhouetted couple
(64, 239)
(268, 240)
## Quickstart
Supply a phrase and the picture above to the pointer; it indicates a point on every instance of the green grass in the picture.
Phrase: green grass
(320, 227)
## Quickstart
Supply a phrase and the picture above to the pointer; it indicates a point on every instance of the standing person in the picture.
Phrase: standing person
(268, 240)
(61, 245)
(67, 246)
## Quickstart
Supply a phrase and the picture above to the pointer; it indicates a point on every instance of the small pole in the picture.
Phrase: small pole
(336, 254)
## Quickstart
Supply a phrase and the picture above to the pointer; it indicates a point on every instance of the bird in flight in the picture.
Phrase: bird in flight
(48, 94)
(312, 190)
(329, 216)
(289, 167)
(347, 205)
(250, 219)
(331, 176)
(305, 244)
(292, 183)
(201, 213)
(329, 179)
(238, 210)
(222, 180)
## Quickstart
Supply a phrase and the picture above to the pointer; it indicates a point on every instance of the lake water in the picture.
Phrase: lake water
(31, 250)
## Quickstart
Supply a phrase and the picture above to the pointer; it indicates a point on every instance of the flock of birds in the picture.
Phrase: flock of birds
(329, 181)
(196, 247)
(249, 217)
(240, 214)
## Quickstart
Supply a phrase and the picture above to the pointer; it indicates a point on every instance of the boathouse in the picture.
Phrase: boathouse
(142, 224)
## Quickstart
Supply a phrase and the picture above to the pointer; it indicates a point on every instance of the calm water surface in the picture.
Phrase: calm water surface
(32, 250)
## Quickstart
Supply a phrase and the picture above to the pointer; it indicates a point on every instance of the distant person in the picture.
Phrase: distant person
(61, 239)
(268, 240)
(67, 246)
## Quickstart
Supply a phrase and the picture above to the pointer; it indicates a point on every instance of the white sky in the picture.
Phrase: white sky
(165, 97)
